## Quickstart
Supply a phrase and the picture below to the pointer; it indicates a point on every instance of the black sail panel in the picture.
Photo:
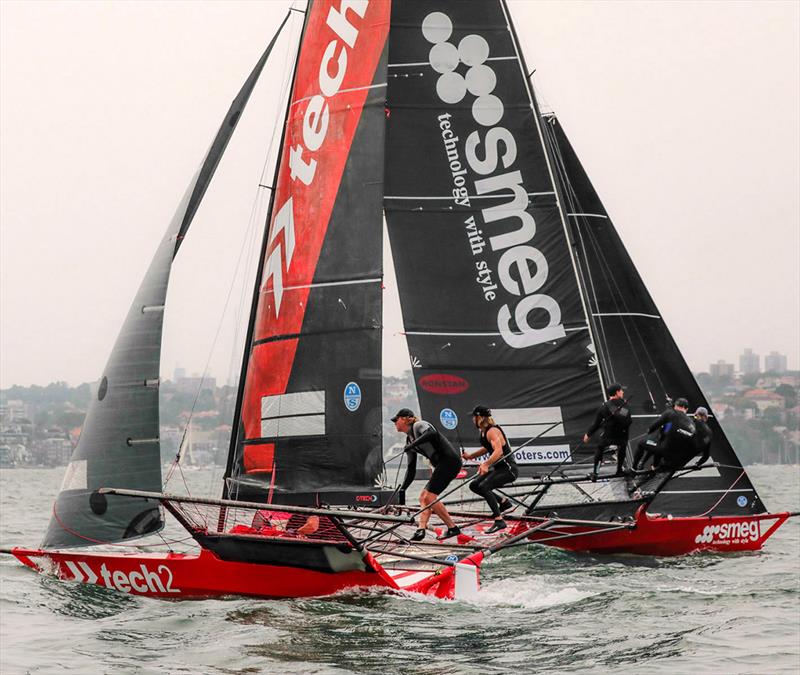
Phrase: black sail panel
(119, 444)
(487, 283)
(636, 348)
(310, 425)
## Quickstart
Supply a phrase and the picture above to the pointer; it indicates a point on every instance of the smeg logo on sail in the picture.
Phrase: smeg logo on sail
(483, 154)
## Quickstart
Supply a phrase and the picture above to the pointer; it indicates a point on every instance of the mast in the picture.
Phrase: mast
(237, 411)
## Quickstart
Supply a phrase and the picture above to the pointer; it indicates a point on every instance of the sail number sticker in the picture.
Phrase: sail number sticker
(448, 418)
(352, 396)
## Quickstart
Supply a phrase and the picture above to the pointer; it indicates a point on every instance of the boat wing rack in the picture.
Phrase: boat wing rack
(233, 504)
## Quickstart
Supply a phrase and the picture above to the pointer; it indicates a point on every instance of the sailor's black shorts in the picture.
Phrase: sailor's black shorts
(444, 472)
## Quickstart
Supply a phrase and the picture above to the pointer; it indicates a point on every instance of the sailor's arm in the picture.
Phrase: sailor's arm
(660, 422)
(496, 439)
(411, 469)
(599, 418)
(426, 435)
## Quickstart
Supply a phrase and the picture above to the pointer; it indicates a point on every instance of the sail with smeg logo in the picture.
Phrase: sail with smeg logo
(482, 225)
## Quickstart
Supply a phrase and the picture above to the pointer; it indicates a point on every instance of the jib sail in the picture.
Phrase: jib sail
(119, 444)
(309, 427)
(486, 274)
(635, 347)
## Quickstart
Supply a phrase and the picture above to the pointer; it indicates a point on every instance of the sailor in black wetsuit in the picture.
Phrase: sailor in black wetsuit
(499, 468)
(677, 438)
(614, 418)
(424, 439)
(702, 436)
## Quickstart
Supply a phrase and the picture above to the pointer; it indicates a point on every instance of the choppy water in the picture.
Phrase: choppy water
(540, 610)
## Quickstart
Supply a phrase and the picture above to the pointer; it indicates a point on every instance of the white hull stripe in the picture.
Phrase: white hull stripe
(89, 578)
(404, 579)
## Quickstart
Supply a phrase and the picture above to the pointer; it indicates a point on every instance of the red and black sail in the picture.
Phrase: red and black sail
(310, 409)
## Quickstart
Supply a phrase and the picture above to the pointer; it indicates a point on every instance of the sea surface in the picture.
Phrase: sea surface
(539, 610)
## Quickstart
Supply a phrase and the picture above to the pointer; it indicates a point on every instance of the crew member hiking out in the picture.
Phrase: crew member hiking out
(424, 439)
(702, 436)
(497, 470)
(645, 449)
(677, 443)
(613, 419)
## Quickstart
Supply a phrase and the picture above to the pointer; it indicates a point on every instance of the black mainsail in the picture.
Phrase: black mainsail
(119, 444)
(486, 272)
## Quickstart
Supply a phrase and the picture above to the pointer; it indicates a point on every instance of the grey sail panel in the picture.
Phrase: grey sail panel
(119, 444)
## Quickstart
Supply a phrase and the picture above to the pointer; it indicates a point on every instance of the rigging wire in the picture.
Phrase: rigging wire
(289, 64)
(246, 253)
(611, 284)
(602, 351)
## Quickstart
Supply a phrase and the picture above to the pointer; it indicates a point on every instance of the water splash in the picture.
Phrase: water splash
(530, 592)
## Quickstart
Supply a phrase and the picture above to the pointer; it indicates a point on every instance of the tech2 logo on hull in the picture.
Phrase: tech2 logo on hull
(726, 534)
(143, 580)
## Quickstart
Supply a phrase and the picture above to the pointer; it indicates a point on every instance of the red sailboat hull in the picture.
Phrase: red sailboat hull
(656, 535)
(183, 576)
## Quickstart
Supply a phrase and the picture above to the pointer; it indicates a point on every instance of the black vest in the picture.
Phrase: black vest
(508, 455)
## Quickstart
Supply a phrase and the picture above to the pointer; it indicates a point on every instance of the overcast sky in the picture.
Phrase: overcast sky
(684, 114)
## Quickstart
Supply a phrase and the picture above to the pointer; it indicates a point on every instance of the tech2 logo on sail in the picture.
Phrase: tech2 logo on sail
(536, 316)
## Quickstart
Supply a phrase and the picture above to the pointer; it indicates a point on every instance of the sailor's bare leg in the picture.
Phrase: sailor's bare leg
(441, 510)
(426, 498)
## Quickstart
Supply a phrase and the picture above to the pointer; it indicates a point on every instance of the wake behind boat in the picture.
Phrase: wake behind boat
(515, 290)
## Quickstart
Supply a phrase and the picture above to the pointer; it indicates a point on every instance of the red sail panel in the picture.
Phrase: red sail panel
(326, 163)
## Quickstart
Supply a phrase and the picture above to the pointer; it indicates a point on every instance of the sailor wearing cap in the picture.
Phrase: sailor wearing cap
(497, 470)
(614, 418)
(424, 439)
